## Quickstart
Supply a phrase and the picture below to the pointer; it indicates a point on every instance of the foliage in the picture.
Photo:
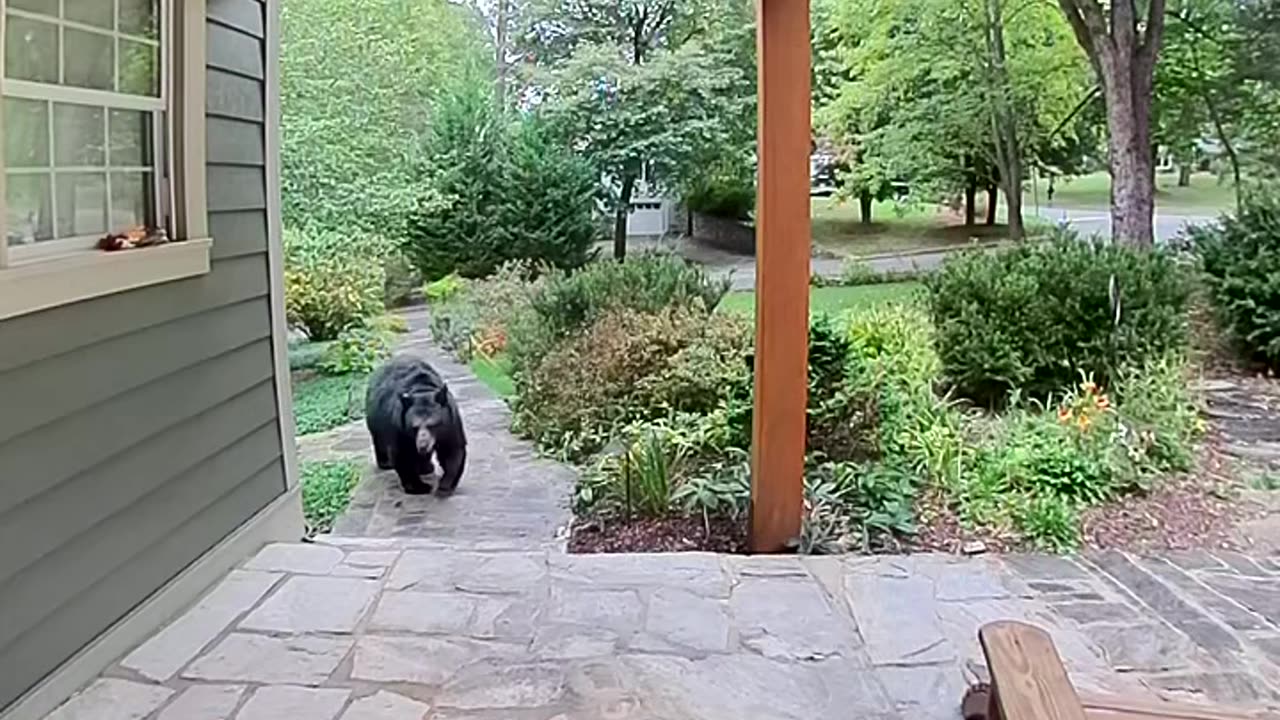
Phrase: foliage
(474, 319)
(502, 189)
(645, 88)
(357, 79)
(727, 189)
(438, 291)
(568, 303)
(1241, 258)
(854, 507)
(630, 365)
(1033, 317)
(403, 280)
(356, 350)
(330, 282)
(325, 402)
(326, 492)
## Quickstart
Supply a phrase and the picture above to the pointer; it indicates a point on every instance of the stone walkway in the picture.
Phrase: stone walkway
(509, 498)
(403, 629)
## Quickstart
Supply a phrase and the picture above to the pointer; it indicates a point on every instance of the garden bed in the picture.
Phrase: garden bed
(989, 408)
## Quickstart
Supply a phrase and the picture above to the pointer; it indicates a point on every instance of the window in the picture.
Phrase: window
(95, 133)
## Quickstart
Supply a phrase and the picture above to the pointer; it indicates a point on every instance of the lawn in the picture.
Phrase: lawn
(833, 300)
(1205, 193)
(326, 492)
(495, 372)
(323, 402)
(838, 228)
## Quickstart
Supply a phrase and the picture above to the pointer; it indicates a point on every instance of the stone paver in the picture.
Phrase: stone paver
(508, 494)
(441, 635)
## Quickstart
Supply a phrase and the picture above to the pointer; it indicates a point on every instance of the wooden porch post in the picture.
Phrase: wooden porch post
(782, 275)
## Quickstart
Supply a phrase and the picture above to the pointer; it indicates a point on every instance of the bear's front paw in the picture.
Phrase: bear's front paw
(416, 488)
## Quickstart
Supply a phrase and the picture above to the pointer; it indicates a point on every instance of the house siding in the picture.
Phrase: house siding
(139, 430)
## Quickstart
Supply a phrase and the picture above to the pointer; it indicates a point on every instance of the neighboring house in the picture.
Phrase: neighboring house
(145, 434)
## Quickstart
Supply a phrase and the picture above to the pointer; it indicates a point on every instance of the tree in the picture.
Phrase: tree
(638, 87)
(1123, 47)
(948, 96)
(357, 80)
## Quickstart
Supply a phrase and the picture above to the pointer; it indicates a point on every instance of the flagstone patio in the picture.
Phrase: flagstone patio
(405, 629)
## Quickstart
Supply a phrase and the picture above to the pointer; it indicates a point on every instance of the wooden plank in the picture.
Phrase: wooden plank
(233, 187)
(239, 232)
(782, 276)
(1028, 679)
(40, 336)
(61, 515)
(243, 15)
(235, 142)
(32, 595)
(233, 96)
(39, 462)
(1102, 707)
(194, 531)
(230, 49)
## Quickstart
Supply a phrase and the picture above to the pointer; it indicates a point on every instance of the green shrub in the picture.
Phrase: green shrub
(502, 190)
(568, 303)
(727, 190)
(325, 402)
(356, 350)
(1033, 317)
(438, 291)
(331, 282)
(403, 280)
(852, 507)
(473, 317)
(1241, 257)
(628, 366)
(326, 492)
(1161, 416)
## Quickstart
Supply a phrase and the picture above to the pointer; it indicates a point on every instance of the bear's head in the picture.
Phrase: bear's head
(424, 412)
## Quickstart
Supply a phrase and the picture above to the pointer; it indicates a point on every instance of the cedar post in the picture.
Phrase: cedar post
(782, 275)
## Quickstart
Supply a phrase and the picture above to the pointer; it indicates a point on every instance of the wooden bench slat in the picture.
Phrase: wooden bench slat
(1106, 707)
(1027, 676)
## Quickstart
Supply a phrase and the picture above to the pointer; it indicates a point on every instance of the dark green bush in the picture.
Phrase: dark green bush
(1242, 260)
(728, 190)
(631, 366)
(1034, 317)
(501, 190)
(332, 281)
(567, 304)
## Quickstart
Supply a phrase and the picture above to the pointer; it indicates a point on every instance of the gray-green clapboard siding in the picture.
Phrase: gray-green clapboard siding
(139, 430)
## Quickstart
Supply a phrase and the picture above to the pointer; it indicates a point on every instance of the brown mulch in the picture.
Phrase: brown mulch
(676, 534)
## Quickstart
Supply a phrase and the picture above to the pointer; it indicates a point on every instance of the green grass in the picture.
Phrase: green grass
(1093, 191)
(495, 372)
(838, 228)
(832, 300)
(324, 402)
(326, 492)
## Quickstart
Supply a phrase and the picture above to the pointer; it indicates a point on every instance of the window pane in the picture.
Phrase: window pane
(138, 17)
(26, 133)
(78, 135)
(90, 59)
(82, 204)
(90, 12)
(30, 50)
(139, 74)
(28, 215)
(130, 138)
(131, 201)
(44, 7)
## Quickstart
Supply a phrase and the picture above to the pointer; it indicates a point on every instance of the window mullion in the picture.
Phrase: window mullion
(4, 208)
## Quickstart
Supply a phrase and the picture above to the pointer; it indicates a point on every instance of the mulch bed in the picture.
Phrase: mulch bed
(677, 534)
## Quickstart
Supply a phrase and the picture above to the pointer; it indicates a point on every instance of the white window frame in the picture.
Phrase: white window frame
(60, 272)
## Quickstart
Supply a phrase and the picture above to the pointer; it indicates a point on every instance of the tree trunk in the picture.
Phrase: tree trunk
(500, 51)
(620, 215)
(971, 202)
(1184, 174)
(993, 200)
(864, 206)
(1005, 131)
(1124, 60)
(1227, 146)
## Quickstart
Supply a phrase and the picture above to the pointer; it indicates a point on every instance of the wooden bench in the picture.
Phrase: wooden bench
(1029, 682)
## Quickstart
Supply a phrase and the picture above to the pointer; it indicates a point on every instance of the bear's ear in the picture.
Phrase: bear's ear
(442, 396)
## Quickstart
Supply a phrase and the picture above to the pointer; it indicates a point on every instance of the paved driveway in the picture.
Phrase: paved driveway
(1098, 221)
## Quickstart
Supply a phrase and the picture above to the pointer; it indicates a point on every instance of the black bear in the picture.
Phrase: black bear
(411, 416)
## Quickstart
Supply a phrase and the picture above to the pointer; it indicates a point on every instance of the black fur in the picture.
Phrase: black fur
(412, 416)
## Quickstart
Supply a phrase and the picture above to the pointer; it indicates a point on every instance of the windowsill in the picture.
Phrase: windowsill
(28, 286)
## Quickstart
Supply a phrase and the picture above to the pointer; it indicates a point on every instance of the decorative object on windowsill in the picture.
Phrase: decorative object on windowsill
(138, 237)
